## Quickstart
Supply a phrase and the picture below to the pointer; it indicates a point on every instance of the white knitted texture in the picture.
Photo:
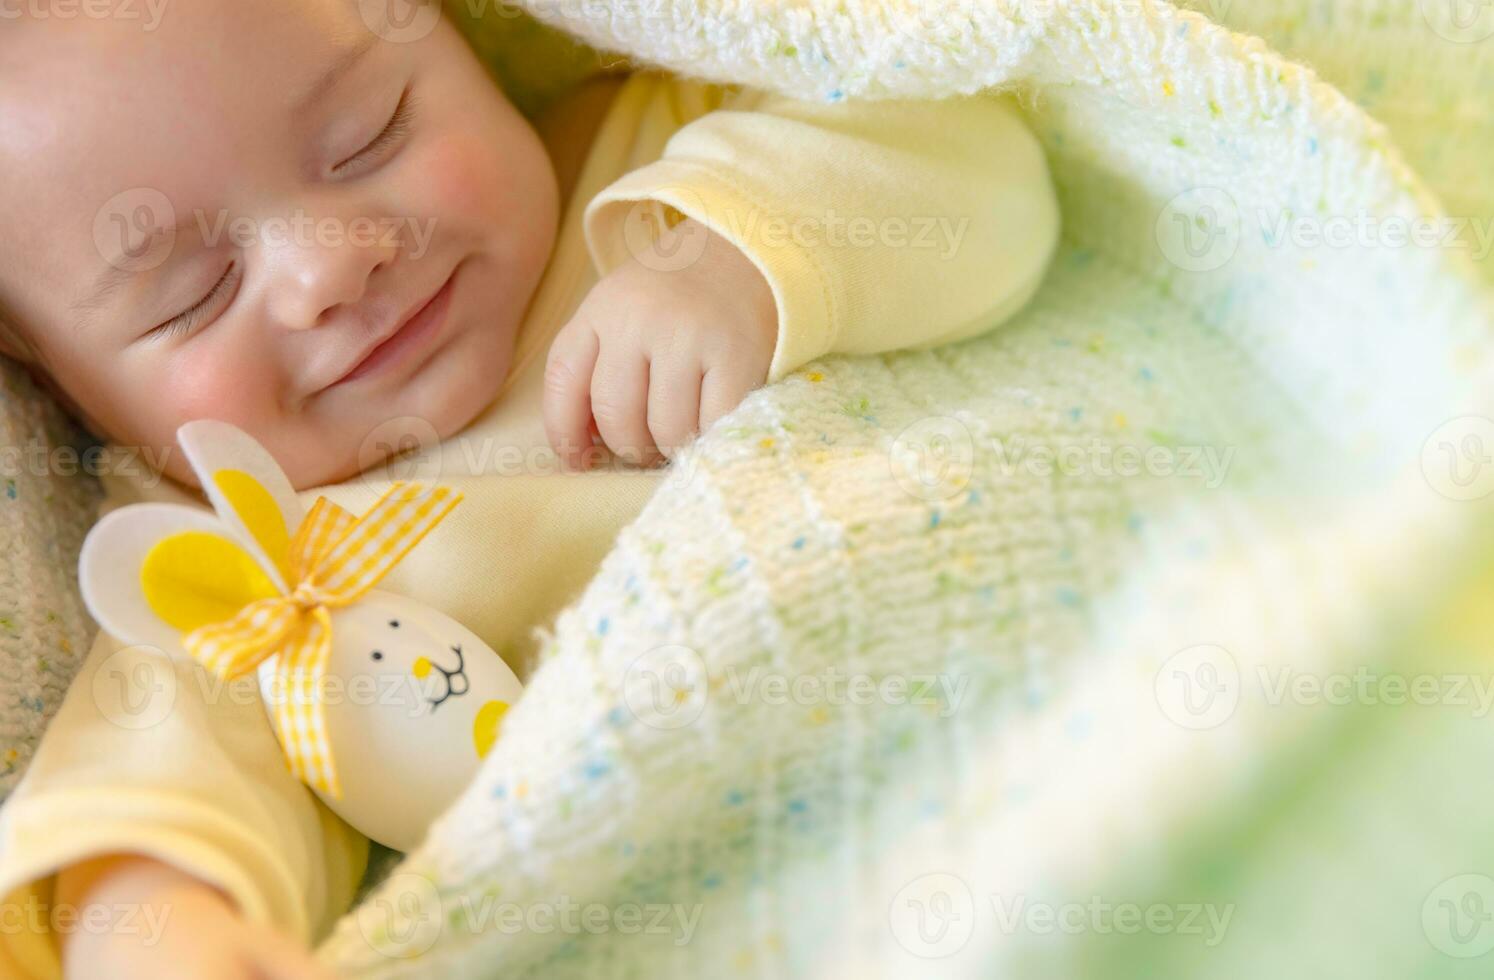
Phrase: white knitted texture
(788, 544)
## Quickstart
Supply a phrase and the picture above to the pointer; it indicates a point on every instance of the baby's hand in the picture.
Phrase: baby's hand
(195, 931)
(656, 353)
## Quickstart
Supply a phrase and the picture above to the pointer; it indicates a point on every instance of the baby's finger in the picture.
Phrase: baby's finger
(721, 390)
(619, 403)
(673, 402)
(567, 398)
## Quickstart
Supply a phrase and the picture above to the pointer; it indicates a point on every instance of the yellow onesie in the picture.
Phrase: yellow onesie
(878, 225)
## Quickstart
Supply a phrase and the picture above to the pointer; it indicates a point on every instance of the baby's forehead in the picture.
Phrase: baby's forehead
(80, 84)
(97, 107)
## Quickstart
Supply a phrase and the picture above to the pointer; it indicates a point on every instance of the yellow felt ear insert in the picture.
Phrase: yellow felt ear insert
(257, 509)
(195, 578)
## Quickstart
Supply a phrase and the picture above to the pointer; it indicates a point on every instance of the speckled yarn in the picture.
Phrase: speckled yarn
(948, 520)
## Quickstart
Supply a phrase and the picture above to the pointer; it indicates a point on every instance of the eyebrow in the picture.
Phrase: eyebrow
(347, 57)
(116, 274)
(113, 276)
(85, 309)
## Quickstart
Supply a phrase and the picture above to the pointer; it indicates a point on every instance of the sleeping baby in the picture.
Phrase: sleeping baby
(346, 240)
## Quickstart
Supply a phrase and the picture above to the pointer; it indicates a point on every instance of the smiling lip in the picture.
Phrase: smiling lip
(413, 334)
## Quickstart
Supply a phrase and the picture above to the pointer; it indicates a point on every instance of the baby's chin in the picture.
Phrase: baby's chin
(398, 436)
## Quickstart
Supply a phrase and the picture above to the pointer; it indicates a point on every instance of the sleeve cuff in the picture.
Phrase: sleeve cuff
(37, 840)
(625, 218)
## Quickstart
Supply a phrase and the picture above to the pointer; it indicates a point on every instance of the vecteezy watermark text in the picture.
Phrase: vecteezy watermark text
(407, 915)
(936, 914)
(37, 458)
(33, 916)
(1201, 686)
(148, 12)
(305, 231)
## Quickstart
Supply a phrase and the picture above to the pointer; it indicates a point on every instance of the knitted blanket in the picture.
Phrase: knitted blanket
(1139, 637)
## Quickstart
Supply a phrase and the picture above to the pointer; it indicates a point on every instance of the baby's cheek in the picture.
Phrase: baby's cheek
(222, 385)
(465, 177)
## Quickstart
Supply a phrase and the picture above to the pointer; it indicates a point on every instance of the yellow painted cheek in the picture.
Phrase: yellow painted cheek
(485, 726)
(422, 669)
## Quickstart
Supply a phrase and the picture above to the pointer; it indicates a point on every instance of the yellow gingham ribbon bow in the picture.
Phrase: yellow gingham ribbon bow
(332, 560)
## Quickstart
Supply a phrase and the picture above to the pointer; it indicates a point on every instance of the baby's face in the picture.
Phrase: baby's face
(268, 214)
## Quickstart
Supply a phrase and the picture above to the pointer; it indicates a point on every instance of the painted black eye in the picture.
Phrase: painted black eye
(377, 655)
(394, 623)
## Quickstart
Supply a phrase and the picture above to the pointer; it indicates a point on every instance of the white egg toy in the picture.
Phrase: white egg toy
(383, 706)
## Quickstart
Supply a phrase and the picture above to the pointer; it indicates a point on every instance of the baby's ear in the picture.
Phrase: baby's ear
(247, 487)
(150, 573)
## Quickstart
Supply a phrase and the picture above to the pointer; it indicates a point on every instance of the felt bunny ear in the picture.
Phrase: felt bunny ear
(247, 487)
(150, 573)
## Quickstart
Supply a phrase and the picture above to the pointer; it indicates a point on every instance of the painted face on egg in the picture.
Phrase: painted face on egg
(421, 662)
(422, 702)
(435, 683)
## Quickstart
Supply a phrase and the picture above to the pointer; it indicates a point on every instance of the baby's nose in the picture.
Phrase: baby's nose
(318, 278)
(421, 669)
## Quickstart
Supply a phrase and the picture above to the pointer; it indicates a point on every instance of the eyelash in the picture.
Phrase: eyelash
(187, 320)
(394, 131)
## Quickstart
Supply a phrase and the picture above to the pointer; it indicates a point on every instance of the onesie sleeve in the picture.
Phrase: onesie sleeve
(879, 225)
(150, 754)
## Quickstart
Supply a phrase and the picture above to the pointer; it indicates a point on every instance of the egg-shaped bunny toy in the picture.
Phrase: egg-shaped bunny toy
(383, 706)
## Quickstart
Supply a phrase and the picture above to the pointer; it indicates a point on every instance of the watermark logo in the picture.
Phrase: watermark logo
(403, 918)
(135, 687)
(1460, 21)
(1458, 916)
(1199, 687)
(1199, 229)
(135, 230)
(933, 916)
(658, 244)
(933, 459)
(404, 448)
(1457, 460)
(400, 21)
(666, 687)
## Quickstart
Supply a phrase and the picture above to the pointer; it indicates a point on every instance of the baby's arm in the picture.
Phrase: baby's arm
(203, 934)
(789, 230)
(158, 790)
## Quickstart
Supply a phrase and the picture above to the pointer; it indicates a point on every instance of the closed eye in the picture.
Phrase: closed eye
(393, 132)
(188, 320)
